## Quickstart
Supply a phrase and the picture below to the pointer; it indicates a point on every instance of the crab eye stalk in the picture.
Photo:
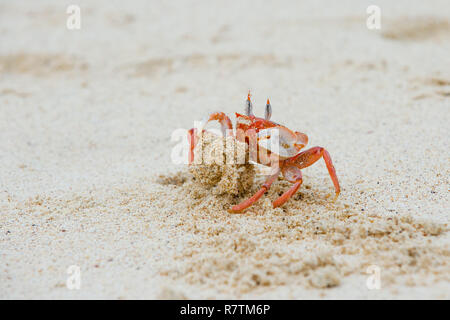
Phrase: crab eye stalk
(268, 112)
(248, 106)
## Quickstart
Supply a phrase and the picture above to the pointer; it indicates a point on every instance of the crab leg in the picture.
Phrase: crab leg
(292, 174)
(288, 194)
(192, 138)
(224, 121)
(310, 156)
(225, 124)
(247, 203)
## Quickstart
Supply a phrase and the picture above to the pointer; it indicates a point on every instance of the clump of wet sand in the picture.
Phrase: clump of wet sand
(221, 165)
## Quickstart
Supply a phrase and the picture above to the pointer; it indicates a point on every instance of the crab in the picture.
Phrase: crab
(284, 157)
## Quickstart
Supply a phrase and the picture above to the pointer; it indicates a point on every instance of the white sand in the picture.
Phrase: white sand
(85, 123)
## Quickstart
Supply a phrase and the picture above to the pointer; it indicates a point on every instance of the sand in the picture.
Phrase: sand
(86, 176)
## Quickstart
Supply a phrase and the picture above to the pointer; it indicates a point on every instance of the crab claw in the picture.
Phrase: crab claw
(281, 141)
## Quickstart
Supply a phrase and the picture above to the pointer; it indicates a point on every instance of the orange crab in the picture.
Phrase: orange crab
(286, 158)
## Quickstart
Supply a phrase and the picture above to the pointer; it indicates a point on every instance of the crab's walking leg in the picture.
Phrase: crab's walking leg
(310, 156)
(247, 203)
(294, 175)
(225, 124)
(192, 138)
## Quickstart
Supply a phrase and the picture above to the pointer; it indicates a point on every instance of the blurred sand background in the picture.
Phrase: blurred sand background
(86, 118)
